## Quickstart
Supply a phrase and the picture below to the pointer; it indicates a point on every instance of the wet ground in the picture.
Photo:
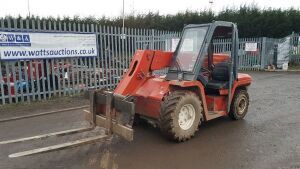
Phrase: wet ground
(268, 137)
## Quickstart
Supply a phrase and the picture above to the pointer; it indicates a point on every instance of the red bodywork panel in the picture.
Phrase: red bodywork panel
(149, 91)
(216, 103)
(161, 60)
(217, 58)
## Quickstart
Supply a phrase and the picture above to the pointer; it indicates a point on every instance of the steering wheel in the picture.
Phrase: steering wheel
(203, 69)
(212, 65)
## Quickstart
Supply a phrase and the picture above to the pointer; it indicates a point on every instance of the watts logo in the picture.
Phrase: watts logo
(9, 39)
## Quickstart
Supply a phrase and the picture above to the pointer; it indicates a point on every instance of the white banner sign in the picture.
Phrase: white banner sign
(31, 45)
(174, 43)
(251, 47)
(187, 45)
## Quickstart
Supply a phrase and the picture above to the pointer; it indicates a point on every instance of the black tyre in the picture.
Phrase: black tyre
(239, 105)
(180, 116)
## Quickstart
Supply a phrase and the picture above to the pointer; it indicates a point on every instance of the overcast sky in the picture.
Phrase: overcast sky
(113, 8)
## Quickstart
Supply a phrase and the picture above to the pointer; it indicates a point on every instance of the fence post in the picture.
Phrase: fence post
(263, 53)
(291, 51)
(152, 43)
(2, 96)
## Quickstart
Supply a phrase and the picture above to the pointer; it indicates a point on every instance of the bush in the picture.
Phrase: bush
(251, 20)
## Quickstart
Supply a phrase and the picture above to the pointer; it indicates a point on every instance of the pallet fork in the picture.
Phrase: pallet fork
(112, 112)
(118, 114)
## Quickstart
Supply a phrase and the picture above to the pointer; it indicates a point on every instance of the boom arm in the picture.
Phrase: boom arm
(143, 63)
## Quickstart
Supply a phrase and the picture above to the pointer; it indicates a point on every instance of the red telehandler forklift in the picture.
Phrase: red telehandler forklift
(199, 86)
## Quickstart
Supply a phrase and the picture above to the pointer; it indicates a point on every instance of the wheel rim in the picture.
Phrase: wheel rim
(242, 104)
(186, 116)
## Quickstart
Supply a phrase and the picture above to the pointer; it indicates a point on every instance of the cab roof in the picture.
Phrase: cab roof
(214, 23)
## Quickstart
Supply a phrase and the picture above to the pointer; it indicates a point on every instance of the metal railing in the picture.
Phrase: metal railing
(294, 55)
(249, 60)
(30, 80)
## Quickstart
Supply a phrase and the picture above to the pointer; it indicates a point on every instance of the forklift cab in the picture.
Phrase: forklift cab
(216, 66)
(198, 57)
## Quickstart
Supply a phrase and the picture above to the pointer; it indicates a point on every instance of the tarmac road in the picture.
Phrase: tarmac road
(268, 137)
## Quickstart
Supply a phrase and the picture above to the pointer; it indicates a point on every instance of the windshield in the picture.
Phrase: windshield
(189, 48)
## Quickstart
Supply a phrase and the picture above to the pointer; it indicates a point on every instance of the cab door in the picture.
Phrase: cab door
(233, 64)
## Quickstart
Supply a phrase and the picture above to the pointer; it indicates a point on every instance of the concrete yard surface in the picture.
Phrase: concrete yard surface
(268, 137)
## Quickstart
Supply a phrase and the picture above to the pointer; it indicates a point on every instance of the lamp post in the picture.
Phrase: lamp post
(211, 2)
(123, 25)
(28, 8)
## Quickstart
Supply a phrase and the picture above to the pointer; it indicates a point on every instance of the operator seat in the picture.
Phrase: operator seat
(220, 77)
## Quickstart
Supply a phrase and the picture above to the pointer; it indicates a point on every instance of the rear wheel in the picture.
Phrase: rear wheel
(239, 105)
(180, 116)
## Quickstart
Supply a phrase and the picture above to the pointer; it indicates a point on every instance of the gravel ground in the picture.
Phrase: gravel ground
(268, 137)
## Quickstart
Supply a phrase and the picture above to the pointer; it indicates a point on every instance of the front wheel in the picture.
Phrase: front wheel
(239, 105)
(180, 116)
